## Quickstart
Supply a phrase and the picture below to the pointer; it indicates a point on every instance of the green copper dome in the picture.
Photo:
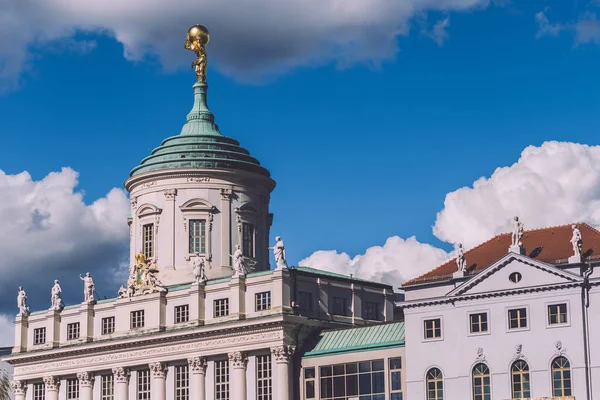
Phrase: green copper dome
(199, 145)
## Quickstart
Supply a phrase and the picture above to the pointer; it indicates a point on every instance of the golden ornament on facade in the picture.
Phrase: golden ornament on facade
(197, 38)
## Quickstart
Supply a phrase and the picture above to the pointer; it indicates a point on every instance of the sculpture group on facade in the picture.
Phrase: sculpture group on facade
(279, 252)
(142, 278)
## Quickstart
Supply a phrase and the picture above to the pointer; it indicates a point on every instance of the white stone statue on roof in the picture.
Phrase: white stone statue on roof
(461, 262)
(57, 303)
(88, 288)
(576, 240)
(22, 302)
(199, 268)
(239, 262)
(279, 252)
(517, 233)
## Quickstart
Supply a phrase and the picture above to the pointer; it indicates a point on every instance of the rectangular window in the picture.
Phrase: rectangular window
(264, 384)
(339, 306)
(305, 301)
(309, 383)
(557, 314)
(143, 385)
(148, 240)
(433, 328)
(364, 380)
(182, 382)
(198, 236)
(108, 325)
(137, 319)
(396, 378)
(39, 391)
(478, 322)
(182, 314)
(73, 331)
(517, 318)
(248, 240)
(108, 387)
(222, 380)
(72, 389)
(39, 336)
(262, 301)
(371, 311)
(221, 307)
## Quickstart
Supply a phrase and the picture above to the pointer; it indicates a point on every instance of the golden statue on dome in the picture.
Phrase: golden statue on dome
(197, 38)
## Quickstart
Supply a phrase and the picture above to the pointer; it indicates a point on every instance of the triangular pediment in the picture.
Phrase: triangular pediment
(500, 276)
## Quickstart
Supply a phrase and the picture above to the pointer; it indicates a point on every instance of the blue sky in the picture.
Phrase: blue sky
(361, 151)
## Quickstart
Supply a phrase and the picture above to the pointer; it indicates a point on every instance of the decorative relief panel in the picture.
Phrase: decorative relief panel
(559, 349)
(170, 194)
(199, 179)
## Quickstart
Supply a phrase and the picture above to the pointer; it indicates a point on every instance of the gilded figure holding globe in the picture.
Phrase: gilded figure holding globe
(197, 38)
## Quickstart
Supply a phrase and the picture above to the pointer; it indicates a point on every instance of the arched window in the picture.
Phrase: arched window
(435, 384)
(520, 380)
(481, 382)
(561, 377)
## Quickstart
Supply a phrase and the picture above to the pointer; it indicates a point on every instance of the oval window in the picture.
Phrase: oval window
(515, 277)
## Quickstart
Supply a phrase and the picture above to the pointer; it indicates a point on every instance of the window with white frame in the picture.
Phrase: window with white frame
(137, 319)
(143, 384)
(435, 384)
(432, 328)
(108, 325)
(39, 336)
(222, 380)
(182, 382)
(39, 391)
(72, 389)
(248, 239)
(395, 378)
(517, 318)
(561, 377)
(148, 240)
(521, 387)
(309, 383)
(557, 314)
(481, 382)
(107, 390)
(73, 331)
(262, 301)
(264, 390)
(478, 322)
(182, 314)
(221, 307)
(197, 236)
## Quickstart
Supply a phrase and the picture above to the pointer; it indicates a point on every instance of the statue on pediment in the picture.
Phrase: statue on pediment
(517, 233)
(89, 290)
(22, 302)
(56, 299)
(576, 240)
(461, 261)
(279, 252)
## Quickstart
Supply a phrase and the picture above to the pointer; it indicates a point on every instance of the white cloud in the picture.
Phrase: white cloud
(556, 183)
(439, 33)
(545, 28)
(587, 29)
(47, 232)
(250, 38)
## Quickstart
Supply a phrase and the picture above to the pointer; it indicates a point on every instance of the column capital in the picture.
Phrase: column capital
(85, 379)
(52, 383)
(18, 387)
(282, 354)
(170, 194)
(158, 369)
(226, 194)
(238, 359)
(121, 374)
(198, 365)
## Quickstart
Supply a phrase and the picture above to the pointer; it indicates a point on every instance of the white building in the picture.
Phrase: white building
(521, 322)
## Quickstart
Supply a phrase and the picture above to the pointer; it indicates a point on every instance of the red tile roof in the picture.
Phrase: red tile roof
(551, 245)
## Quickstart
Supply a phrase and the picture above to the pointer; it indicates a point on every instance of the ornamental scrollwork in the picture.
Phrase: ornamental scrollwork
(158, 369)
(480, 355)
(560, 350)
(519, 353)
(283, 354)
(170, 194)
(198, 365)
(121, 374)
(238, 359)
(18, 387)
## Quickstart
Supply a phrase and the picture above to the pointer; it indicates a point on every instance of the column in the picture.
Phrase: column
(19, 388)
(282, 355)
(159, 385)
(121, 379)
(169, 220)
(198, 377)
(237, 384)
(51, 383)
(226, 197)
(86, 385)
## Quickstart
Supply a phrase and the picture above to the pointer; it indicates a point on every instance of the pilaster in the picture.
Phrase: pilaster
(197, 303)
(281, 292)
(226, 197)
(21, 333)
(53, 328)
(357, 308)
(237, 297)
(169, 222)
(87, 322)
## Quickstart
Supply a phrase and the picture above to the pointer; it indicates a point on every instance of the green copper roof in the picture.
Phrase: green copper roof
(359, 339)
(315, 271)
(200, 145)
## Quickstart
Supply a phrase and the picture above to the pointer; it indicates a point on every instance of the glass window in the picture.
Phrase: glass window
(520, 380)
(364, 380)
(143, 385)
(481, 382)
(309, 383)
(197, 235)
(435, 384)
(248, 240)
(221, 307)
(557, 314)
(72, 389)
(305, 301)
(264, 390)
(395, 378)
(433, 328)
(137, 319)
(561, 377)
(371, 311)
(340, 306)
(39, 391)
(73, 331)
(478, 322)
(108, 387)
(148, 240)
(182, 382)
(39, 336)
(182, 314)
(108, 325)
(517, 318)
(263, 301)
(222, 380)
